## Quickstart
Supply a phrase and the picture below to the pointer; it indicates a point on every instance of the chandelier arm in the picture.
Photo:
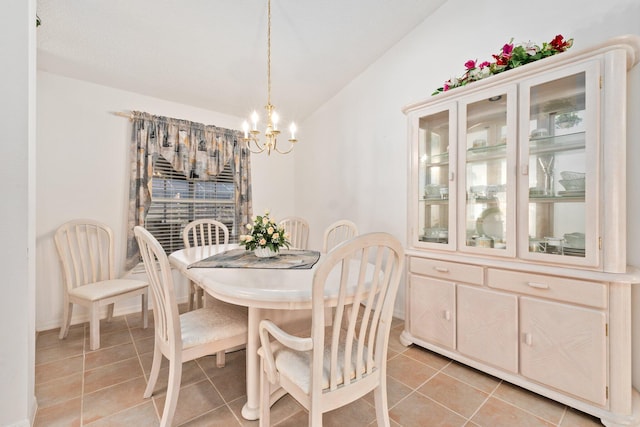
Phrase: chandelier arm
(260, 149)
(287, 151)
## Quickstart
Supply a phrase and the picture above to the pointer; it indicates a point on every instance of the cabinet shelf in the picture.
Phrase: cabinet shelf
(434, 201)
(437, 160)
(556, 144)
(556, 199)
(491, 152)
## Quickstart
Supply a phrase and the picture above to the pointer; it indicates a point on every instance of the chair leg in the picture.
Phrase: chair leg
(110, 312)
(315, 417)
(173, 390)
(382, 407)
(155, 370)
(265, 398)
(145, 311)
(94, 327)
(220, 359)
(66, 320)
(191, 294)
(199, 297)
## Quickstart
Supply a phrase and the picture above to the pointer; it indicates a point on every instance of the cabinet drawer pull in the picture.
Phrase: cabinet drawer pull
(447, 315)
(441, 269)
(528, 339)
(538, 285)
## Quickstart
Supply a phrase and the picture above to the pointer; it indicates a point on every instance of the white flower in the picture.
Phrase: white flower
(266, 211)
(270, 230)
(275, 236)
(248, 238)
(530, 48)
(249, 226)
(265, 220)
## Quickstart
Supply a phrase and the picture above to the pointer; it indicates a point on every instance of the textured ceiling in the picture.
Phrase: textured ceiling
(213, 53)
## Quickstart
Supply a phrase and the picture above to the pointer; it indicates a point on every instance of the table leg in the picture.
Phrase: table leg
(251, 409)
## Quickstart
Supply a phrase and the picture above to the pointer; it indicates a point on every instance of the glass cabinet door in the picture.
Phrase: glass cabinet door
(434, 180)
(488, 136)
(559, 166)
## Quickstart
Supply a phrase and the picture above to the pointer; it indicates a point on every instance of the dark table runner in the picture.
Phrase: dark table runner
(241, 258)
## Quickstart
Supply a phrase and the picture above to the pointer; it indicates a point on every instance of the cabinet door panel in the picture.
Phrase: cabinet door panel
(559, 157)
(564, 347)
(487, 155)
(488, 326)
(432, 310)
(432, 177)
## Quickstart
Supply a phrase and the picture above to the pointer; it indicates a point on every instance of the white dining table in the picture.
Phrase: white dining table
(261, 290)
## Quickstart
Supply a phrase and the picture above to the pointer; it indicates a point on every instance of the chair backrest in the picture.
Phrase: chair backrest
(298, 229)
(369, 268)
(204, 232)
(166, 317)
(85, 249)
(337, 233)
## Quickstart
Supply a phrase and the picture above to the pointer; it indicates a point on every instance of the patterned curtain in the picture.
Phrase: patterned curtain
(194, 149)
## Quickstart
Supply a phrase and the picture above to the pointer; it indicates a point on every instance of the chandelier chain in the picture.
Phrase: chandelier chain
(269, 53)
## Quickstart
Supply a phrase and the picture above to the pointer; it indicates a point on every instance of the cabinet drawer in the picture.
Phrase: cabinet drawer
(558, 288)
(447, 270)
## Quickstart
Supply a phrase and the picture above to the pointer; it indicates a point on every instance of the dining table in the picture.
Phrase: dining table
(264, 291)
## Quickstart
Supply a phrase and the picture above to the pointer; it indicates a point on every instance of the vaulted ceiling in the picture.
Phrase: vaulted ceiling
(213, 53)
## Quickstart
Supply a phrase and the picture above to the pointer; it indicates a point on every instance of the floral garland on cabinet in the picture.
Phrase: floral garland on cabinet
(511, 56)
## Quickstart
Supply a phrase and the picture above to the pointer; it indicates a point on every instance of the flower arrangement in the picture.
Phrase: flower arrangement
(265, 233)
(511, 56)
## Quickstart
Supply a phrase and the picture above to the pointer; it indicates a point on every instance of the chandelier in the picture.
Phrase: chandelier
(251, 134)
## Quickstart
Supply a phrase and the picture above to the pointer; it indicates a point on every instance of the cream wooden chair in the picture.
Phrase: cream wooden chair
(203, 232)
(337, 233)
(311, 369)
(86, 251)
(182, 337)
(298, 229)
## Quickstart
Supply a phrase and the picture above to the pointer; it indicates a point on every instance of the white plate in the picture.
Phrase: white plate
(490, 223)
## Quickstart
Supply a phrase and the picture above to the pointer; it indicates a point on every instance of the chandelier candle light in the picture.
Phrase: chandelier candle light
(271, 133)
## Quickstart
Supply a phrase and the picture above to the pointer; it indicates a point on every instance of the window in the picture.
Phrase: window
(177, 200)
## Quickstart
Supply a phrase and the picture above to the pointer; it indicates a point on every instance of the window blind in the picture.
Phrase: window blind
(176, 200)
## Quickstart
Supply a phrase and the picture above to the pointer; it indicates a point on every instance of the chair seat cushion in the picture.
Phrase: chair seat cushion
(107, 288)
(212, 324)
(296, 365)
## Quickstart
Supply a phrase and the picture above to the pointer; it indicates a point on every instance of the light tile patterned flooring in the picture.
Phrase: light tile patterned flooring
(79, 387)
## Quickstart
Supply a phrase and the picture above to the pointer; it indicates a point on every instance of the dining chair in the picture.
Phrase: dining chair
(344, 361)
(181, 337)
(298, 229)
(86, 251)
(202, 232)
(337, 233)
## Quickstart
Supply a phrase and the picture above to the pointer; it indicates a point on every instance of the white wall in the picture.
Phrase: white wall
(17, 224)
(83, 171)
(353, 162)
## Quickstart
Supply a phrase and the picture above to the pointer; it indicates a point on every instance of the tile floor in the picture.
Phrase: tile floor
(79, 387)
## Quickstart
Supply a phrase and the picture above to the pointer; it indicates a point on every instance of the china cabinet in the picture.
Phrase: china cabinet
(517, 229)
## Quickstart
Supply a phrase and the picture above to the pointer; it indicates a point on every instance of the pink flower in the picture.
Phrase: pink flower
(470, 64)
(484, 64)
(507, 49)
